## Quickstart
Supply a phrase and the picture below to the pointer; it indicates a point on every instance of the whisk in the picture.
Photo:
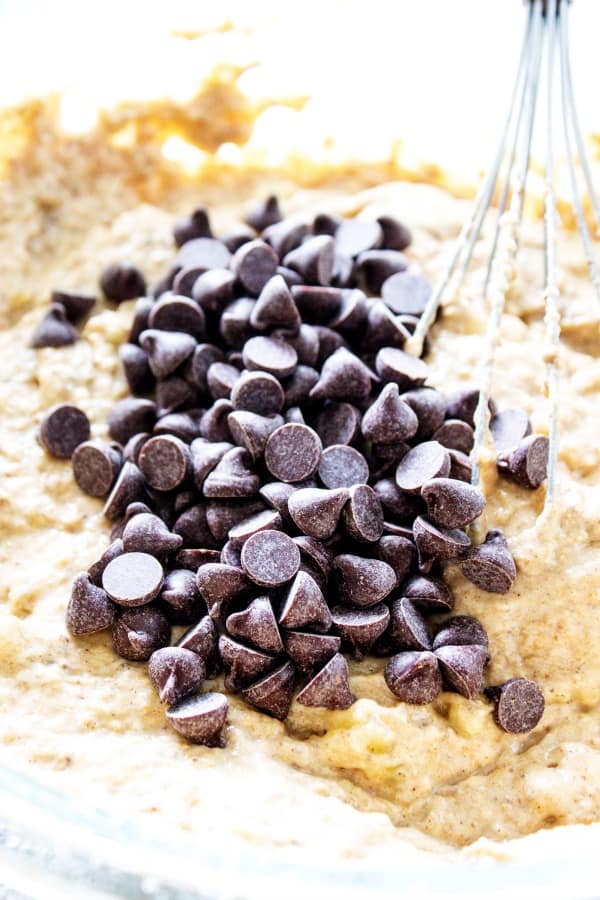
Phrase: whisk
(546, 38)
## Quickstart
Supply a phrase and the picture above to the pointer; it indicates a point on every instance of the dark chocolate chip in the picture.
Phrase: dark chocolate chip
(460, 466)
(223, 515)
(254, 263)
(175, 673)
(309, 651)
(54, 330)
(205, 456)
(362, 515)
(166, 350)
(233, 240)
(203, 640)
(508, 428)
(192, 525)
(393, 500)
(343, 377)
(424, 462)
(360, 628)
(330, 687)
(352, 314)
(316, 554)
(290, 277)
(329, 342)
(129, 417)
(462, 667)
(398, 552)
(96, 465)
(403, 369)
(293, 452)
(342, 466)
(137, 633)
(455, 434)
(164, 461)
(388, 419)
(362, 582)
(277, 494)
(242, 664)
(257, 626)
(305, 342)
(219, 585)
(147, 533)
(181, 598)
(429, 593)
(304, 605)
(275, 307)
(184, 425)
(63, 428)
(407, 626)
(337, 423)
(265, 520)
(461, 404)
(175, 313)
(213, 290)
(174, 393)
(461, 631)
(414, 677)
(268, 354)
(136, 369)
(355, 236)
(214, 425)
(396, 235)
(201, 719)
(203, 253)
(264, 213)
(406, 292)
(430, 409)
(316, 512)
(133, 579)
(75, 304)
(121, 281)
(435, 543)
(270, 558)
(325, 223)
(220, 379)
(258, 392)
(89, 609)
(527, 464)
(231, 554)
(141, 314)
(128, 488)
(196, 225)
(232, 476)
(451, 503)
(384, 329)
(377, 266)
(317, 305)
(273, 694)
(285, 236)
(518, 705)
(96, 569)
(313, 259)
(491, 566)
(384, 458)
(193, 557)
(234, 325)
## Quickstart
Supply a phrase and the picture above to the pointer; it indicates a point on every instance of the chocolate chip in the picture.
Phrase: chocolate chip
(273, 694)
(491, 566)
(317, 305)
(128, 488)
(329, 342)
(133, 579)
(254, 263)
(308, 651)
(137, 633)
(430, 409)
(414, 677)
(393, 500)
(360, 628)
(193, 557)
(337, 423)
(362, 515)
(75, 304)
(184, 425)
(461, 631)
(383, 328)
(518, 705)
(96, 569)
(342, 466)
(136, 368)
(289, 276)
(232, 476)
(63, 428)
(428, 593)
(164, 461)
(330, 687)
(460, 466)
(397, 552)
(175, 673)
(202, 640)
(121, 281)
(234, 326)
(213, 290)
(377, 266)
(384, 458)
(193, 527)
(271, 355)
(147, 533)
(285, 236)
(362, 582)
(407, 626)
(462, 667)
(352, 314)
(214, 425)
(54, 330)
(258, 392)
(293, 452)
(243, 665)
(96, 465)
(264, 213)
(304, 605)
(455, 434)
(180, 597)
(201, 719)
(396, 235)
(89, 609)
(203, 253)
(406, 292)
(141, 314)
(265, 520)
(220, 380)
(424, 462)
(451, 503)
(270, 558)
(223, 515)
(205, 456)
(388, 419)
(305, 342)
(527, 464)
(219, 585)
(175, 313)
(508, 428)
(277, 494)
(355, 236)
(166, 350)
(316, 512)
(275, 307)
(313, 259)
(401, 368)
(257, 626)
(234, 239)
(174, 393)
(317, 555)
(343, 377)
(129, 417)
(435, 543)
(196, 225)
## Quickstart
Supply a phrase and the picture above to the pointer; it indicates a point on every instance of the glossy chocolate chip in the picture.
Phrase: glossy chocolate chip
(342, 466)
(129, 417)
(133, 579)
(362, 515)
(518, 705)
(89, 609)
(164, 461)
(219, 585)
(293, 452)
(398, 552)
(290, 277)
(313, 260)
(422, 463)
(54, 330)
(304, 605)
(202, 639)
(258, 392)
(527, 464)
(360, 628)
(254, 263)
(201, 719)
(63, 428)
(270, 558)
(462, 667)
(257, 626)
(141, 314)
(96, 465)
(273, 694)
(362, 582)
(175, 313)
(96, 569)
(310, 651)
(316, 512)
(338, 423)
(508, 428)
(414, 677)
(196, 225)
(460, 631)
(451, 503)
(285, 236)
(407, 626)
(388, 419)
(275, 307)
(242, 664)
(325, 223)
(384, 328)
(121, 281)
(330, 687)
(137, 633)
(232, 477)
(491, 566)
(203, 253)
(263, 213)
(175, 673)
(401, 368)
(343, 377)
(406, 292)
(180, 597)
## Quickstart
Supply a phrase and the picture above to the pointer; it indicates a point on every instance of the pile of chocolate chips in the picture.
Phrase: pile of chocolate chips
(284, 482)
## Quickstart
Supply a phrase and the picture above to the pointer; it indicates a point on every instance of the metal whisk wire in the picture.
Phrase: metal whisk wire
(546, 31)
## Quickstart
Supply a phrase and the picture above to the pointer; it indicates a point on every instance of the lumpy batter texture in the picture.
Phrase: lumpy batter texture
(346, 782)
